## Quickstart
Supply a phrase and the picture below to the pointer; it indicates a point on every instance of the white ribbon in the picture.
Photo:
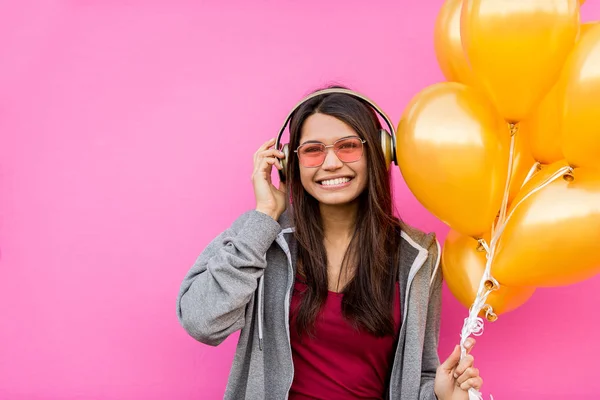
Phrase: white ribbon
(474, 324)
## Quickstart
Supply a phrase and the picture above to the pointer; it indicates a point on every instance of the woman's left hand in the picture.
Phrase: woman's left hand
(454, 377)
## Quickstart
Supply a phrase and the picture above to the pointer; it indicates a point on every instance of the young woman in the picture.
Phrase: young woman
(335, 297)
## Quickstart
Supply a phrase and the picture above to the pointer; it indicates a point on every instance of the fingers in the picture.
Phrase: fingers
(475, 383)
(272, 161)
(270, 153)
(265, 157)
(469, 373)
(466, 375)
(266, 147)
(454, 358)
(469, 343)
(470, 377)
(466, 362)
(262, 169)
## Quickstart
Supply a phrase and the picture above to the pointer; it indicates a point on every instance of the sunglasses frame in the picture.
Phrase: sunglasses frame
(326, 146)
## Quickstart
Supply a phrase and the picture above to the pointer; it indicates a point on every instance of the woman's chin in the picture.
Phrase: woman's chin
(336, 199)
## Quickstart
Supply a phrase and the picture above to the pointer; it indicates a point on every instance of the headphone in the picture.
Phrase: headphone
(387, 138)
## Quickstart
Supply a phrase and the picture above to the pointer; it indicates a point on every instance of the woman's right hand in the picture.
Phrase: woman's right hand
(269, 199)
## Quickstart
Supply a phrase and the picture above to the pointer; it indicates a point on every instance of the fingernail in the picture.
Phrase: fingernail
(455, 375)
(468, 343)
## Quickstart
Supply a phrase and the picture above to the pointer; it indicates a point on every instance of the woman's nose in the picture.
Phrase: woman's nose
(332, 161)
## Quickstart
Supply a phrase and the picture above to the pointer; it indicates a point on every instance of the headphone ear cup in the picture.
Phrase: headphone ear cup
(387, 147)
(284, 161)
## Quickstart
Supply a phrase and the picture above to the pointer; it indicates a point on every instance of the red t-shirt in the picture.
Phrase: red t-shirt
(340, 362)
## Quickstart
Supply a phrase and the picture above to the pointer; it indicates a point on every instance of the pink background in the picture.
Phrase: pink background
(128, 129)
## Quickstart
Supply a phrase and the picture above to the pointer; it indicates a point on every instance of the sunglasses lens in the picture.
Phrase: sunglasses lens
(311, 155)
(349, 150)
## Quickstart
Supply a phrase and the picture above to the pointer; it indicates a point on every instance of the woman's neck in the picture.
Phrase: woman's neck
(339, 222)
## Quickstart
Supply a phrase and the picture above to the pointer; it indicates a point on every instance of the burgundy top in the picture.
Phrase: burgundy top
(340, 362)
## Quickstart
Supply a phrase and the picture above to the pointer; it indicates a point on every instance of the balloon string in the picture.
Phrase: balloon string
(514, 129)
(487, 283)
(561, 172)
(473, 324)
(532, 172)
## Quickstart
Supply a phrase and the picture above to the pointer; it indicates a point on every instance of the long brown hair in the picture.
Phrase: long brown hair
(374, 248)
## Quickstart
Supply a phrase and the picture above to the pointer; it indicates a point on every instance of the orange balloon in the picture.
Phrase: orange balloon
(451, 156)
(541, 175)
(523, 162)
(553, 236)
(581, 102)
(543, 129)
(448, 45)
(463, 264)
(587, 26)
(517, 48)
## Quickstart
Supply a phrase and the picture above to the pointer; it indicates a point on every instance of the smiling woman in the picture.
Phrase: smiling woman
(314, 276)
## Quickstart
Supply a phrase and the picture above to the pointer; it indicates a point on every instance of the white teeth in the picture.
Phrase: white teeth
(337, 181)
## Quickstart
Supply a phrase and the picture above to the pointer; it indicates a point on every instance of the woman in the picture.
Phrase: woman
(335, 297)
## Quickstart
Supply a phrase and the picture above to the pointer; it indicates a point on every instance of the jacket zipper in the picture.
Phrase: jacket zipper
(284, 246)
(416, 267)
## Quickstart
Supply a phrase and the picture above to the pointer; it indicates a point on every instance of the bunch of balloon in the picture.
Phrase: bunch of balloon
(506, 152)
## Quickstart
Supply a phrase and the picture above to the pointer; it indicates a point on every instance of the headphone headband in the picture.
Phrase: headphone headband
(352, 93)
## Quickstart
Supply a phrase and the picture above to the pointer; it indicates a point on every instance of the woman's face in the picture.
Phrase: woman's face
(334, 182)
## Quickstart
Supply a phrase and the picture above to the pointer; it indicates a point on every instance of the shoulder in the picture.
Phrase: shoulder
(427, 246)
(419, 239)
(254, 221)
(251, 229)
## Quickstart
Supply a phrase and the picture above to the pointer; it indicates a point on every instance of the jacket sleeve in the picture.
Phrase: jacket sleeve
(214, 293)
(431, 359)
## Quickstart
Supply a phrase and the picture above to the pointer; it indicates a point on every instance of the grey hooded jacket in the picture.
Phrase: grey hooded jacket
(243, 281)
